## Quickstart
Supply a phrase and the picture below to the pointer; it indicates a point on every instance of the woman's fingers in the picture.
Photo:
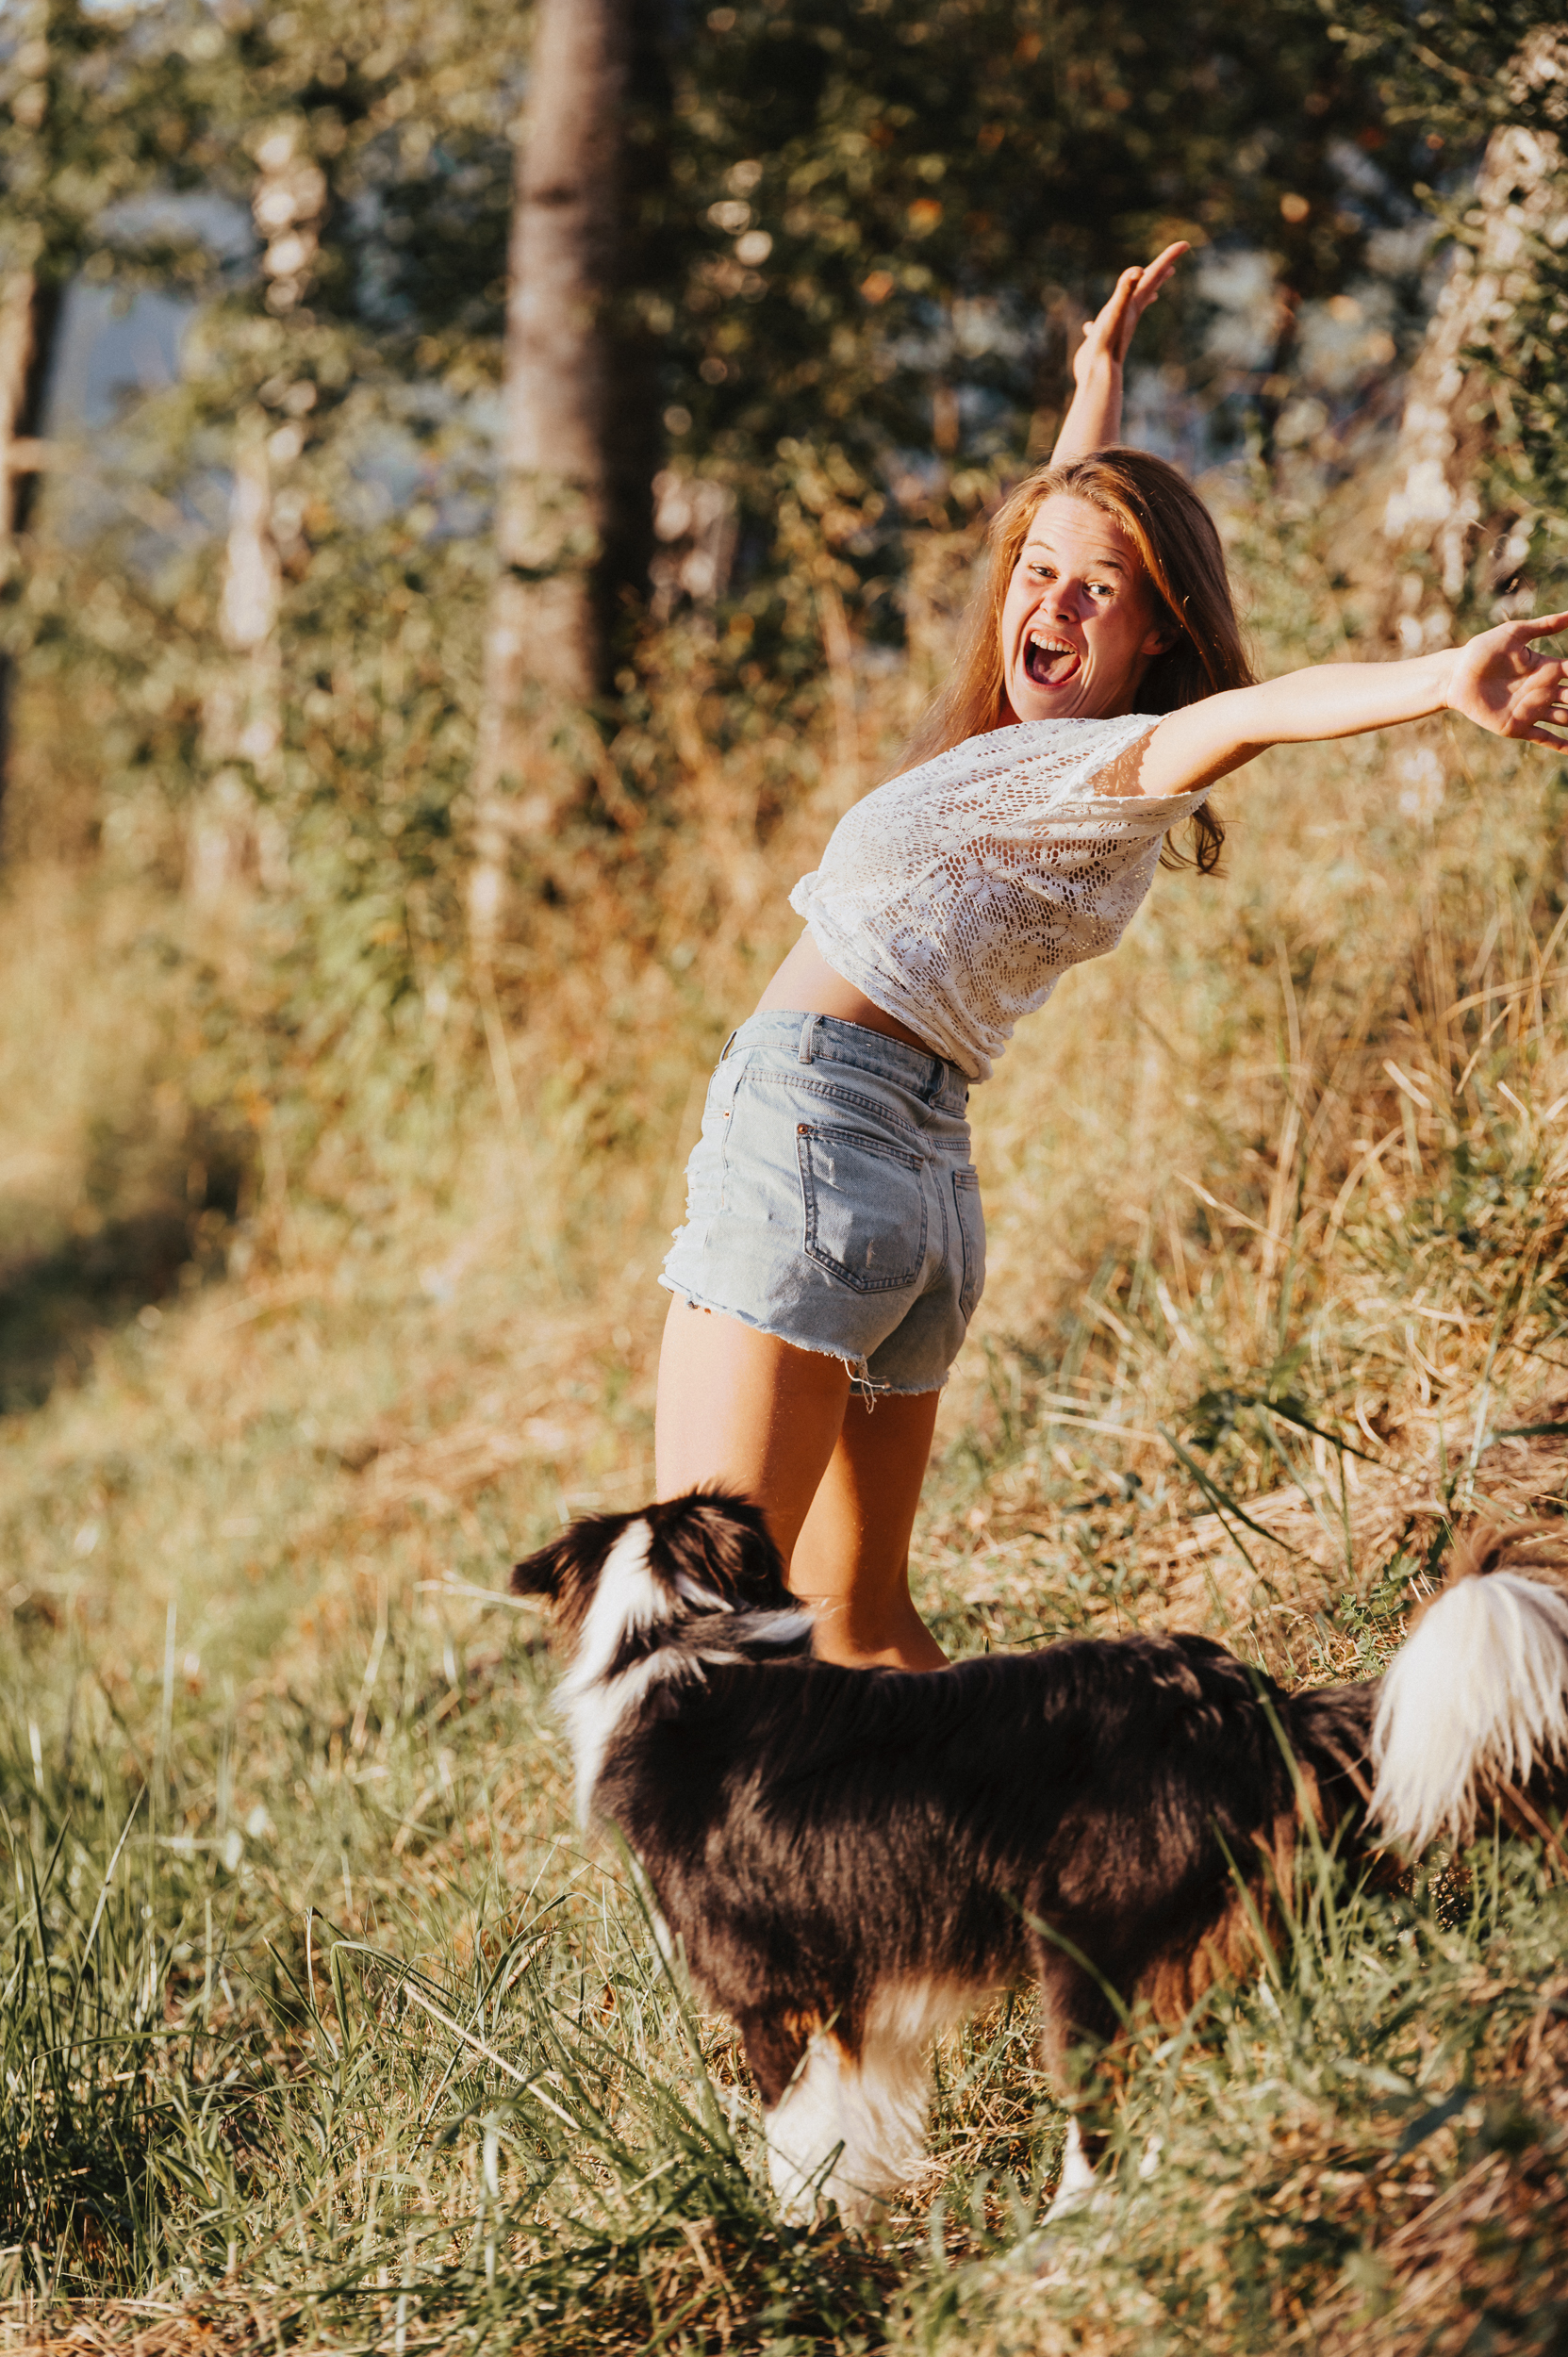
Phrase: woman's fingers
(1144, 288)
(1108, 336)
(1110, 332)
(1111, 319)
(1503, 684)
(1134, 290)
(1156, 274)
(1508, 684)
(1531, 702)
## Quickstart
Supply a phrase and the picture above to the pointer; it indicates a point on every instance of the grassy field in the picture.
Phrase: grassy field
(321, 2025)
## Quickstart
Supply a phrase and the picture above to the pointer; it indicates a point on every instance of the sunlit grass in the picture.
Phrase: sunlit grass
(320, 2023)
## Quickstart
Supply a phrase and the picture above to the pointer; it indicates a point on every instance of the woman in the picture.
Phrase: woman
(834, 1249)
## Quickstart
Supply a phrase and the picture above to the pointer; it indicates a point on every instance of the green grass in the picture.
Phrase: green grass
(392, 2060)
(321, 2026)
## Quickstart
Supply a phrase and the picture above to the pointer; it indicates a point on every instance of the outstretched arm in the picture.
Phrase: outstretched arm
(1095, 418)
(1498, 680)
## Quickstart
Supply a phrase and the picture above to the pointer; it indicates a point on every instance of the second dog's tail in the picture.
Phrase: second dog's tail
(1476, 1703)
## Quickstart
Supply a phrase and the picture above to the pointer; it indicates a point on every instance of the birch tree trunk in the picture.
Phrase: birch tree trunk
(231, 833)
(547, 642)
(29, 319)
(1456, 412)
(242, 718)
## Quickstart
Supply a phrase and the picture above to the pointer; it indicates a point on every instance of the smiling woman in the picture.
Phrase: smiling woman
(1106, 592)
(1078, 607)
(834, 1249)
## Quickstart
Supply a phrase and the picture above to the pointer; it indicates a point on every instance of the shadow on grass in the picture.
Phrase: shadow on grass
(56, 1301)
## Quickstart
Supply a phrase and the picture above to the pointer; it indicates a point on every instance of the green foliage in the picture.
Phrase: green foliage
(1457, 73)
(361, 388)
(1448, 70)
(889, 217)
(100, 107)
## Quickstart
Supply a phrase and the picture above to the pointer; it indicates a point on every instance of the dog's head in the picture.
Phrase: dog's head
(701, 1568)
(650, 1601)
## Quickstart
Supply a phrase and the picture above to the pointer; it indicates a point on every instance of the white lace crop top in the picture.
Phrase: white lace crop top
(957, 895)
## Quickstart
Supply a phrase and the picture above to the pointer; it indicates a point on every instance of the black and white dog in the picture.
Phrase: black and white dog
(855, 1860)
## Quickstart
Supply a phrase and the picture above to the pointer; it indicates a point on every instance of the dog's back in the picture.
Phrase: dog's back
(816, 1833)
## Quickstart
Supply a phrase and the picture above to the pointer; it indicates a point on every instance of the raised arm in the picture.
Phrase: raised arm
(1497, 679)
(1094, 420)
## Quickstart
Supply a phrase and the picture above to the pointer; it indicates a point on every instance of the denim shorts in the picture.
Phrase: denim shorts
(831, 1199)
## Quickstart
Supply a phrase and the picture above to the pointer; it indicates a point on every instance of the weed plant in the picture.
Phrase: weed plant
(321, 2025)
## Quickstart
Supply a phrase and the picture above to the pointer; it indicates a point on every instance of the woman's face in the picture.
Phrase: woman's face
(1078, 628)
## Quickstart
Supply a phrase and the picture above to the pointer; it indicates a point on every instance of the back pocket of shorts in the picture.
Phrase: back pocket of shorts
(971, 1229)
(865, 1207)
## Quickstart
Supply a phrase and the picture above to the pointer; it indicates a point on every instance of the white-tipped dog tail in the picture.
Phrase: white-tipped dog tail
(1478, 1699)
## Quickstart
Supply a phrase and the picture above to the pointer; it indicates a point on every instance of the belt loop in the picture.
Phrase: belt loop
(729, 1044)
(807, 1030)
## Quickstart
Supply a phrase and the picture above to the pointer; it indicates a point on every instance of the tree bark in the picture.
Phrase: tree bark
(574, 515)
(30, 322)
(1455, 410)
(232, 835)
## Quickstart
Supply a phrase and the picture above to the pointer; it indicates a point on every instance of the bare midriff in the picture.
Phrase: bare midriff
(806, 984)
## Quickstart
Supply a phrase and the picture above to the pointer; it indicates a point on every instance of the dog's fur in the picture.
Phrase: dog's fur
(853, 1860)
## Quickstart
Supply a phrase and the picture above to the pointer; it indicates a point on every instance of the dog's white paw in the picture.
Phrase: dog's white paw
(1076, 2186)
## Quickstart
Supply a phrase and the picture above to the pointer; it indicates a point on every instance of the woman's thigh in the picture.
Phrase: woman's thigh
(838, 1477)
(740, 1408)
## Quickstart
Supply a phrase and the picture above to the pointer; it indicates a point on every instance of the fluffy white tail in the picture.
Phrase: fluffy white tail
(1478, 1699)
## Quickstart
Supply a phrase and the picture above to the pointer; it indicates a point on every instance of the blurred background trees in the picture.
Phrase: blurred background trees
(400, 615)
(1476, 513)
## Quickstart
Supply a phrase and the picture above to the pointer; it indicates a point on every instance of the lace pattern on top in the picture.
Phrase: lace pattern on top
(957, 895)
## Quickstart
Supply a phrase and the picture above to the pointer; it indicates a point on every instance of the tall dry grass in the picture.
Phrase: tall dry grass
(320, 2024)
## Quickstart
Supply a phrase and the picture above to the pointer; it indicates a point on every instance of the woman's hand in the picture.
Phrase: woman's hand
(1501, 683)
(1108, 336)
(1497, 679)
(1095, 420)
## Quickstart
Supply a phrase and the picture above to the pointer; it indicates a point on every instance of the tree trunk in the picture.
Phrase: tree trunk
(30, 321)
(232, 835)
(1455, 411)
(574, 514)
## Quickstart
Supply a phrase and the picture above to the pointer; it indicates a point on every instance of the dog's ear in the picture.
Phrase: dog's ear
(565, 1569)
(540, 1574)
(720, 1538)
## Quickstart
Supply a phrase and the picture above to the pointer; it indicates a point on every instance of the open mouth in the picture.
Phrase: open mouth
(1048, 662)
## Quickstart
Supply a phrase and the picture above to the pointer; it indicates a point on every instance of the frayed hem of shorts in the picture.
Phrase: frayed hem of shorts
(863, 1384)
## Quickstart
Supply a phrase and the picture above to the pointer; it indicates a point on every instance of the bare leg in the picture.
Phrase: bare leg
(852, 1558)
(777, 1422)
(742, 1408)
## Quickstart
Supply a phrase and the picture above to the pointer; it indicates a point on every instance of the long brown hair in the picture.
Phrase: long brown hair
(1175, 538)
